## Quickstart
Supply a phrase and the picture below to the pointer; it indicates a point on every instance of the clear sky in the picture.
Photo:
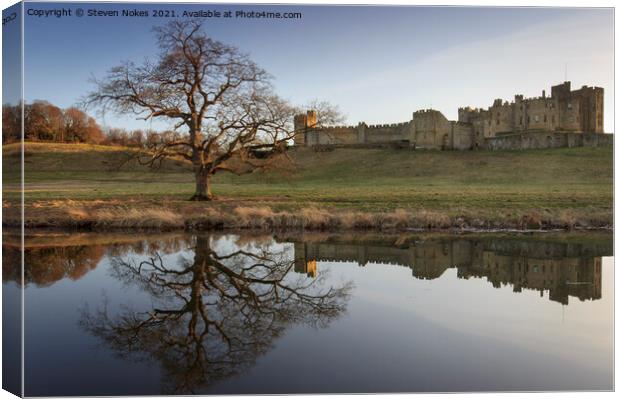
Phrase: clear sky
(377, 63)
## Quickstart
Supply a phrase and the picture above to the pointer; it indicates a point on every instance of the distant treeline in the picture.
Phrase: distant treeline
(46, 122)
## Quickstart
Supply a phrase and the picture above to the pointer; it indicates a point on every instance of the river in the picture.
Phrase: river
(129, 314)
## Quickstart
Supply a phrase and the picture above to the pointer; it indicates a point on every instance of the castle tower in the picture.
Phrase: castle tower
(303, 122)
(590, 108)
(311, 270)
(311, 119)
(300, 122)
(580, 110)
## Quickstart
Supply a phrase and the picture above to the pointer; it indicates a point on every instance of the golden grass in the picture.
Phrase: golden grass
(110, 215)
(44, 147)
(432, 219)
(141, 218)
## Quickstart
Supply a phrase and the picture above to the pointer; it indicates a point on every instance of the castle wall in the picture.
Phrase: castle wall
(333, 135)
(388, 133)
(541, 114)
(533, 140)
(481, 130)
(462, 137)
(569, 116)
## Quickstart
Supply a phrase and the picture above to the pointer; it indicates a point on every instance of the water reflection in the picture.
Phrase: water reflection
(197, 313)
(50, 264)
(51, 258)
(564, 269)
(215, 312)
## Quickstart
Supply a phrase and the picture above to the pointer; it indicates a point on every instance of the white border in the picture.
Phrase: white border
(484, 3)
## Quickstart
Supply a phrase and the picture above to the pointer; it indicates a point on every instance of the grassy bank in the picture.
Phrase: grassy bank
(96, 187)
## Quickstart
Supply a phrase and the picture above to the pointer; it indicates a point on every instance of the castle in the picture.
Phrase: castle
(567, 118)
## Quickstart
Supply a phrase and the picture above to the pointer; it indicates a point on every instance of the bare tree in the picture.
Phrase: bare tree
(221, 101)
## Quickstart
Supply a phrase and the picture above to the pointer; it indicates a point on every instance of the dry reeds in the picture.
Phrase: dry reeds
(102, 215)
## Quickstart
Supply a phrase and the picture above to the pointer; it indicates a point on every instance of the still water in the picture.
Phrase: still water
(224, 313)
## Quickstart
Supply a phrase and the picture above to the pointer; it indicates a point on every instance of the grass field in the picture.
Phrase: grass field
(571, 185)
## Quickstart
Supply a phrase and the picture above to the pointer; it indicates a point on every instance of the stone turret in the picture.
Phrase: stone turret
(303, 122)
(311, 119)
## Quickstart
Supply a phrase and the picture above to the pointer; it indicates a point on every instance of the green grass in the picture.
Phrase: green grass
(359, 179)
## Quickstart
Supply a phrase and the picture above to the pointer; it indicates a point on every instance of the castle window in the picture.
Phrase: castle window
(535, 118)
(528, 119)
(545, 118)
(497, 122)
(569, 106)
(521, 121)
(552, 118)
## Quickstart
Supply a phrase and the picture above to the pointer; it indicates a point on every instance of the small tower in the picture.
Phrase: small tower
(311, 119)
(303, 122)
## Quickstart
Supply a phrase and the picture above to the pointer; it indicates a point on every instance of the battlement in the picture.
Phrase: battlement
(468, 109)
(339, 127)
(388, 125)
(426, 111)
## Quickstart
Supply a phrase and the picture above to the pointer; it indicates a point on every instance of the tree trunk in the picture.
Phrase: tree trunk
(203, 186)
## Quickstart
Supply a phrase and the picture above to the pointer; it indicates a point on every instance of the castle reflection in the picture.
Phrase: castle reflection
(564, 269)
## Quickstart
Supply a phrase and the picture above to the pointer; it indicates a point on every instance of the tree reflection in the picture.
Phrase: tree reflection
(48, 260)
(46, 265)
(215, 313)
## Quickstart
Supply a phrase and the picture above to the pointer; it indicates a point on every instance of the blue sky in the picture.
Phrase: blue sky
(378, 64)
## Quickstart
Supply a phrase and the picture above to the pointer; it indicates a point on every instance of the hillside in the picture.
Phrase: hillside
(491, 183)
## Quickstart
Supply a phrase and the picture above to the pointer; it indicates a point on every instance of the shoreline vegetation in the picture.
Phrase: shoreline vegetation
(99, 188)
(103, 216)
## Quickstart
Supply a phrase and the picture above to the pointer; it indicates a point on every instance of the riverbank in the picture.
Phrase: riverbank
(185, 215)
(99, 188)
